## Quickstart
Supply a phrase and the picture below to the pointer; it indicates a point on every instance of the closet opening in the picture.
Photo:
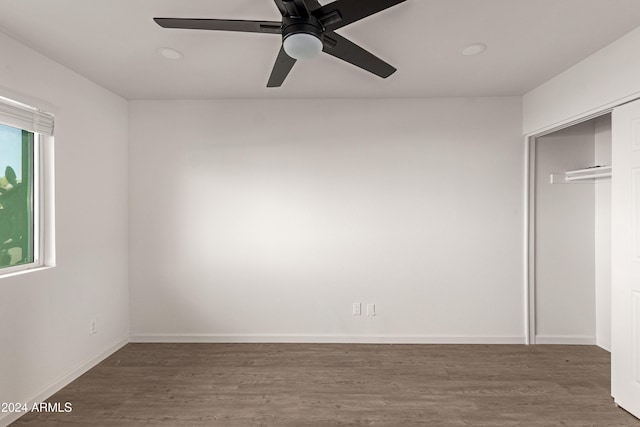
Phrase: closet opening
(569, 261)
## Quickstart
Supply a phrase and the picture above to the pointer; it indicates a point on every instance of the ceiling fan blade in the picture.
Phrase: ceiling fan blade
(341, 48)
(296, 8)
(271, 27)
(282, 67)
(343, 12)
(313, 4)
(281, 8)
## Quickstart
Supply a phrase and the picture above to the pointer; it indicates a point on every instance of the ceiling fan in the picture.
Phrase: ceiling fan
(307, 28)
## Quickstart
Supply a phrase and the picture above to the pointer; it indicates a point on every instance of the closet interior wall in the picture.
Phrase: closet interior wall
(572, 237)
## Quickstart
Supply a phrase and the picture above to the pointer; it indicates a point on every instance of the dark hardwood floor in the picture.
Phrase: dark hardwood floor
(331, 384)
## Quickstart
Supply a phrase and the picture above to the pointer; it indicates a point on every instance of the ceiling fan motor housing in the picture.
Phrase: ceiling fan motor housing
(307, 25)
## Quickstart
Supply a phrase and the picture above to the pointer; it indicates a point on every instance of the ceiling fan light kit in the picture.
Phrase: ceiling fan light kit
(307, 28)
(302, 46)
(301, 37)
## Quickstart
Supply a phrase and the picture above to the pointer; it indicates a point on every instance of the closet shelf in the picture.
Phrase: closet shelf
(581, 174)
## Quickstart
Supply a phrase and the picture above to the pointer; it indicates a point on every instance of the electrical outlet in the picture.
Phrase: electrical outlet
(93, 327)
(371, 309)
(357, 309)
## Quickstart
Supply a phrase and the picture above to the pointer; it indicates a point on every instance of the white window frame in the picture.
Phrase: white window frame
(42, 192)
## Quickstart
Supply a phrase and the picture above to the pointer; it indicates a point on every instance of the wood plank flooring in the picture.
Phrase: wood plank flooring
(341, 385)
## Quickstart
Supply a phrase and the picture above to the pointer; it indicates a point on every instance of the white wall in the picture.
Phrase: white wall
(44, 316)
(265, 220)
(604, 79)
(564, 240)
(603, 234)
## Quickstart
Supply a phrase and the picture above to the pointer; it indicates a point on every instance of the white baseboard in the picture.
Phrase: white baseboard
(323, 339)
(63, 381)
(565, 339)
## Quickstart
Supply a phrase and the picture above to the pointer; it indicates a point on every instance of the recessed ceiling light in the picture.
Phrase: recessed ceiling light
(474, 49)
(168, 53)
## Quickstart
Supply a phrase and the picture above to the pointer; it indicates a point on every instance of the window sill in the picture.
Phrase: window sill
(21, 271)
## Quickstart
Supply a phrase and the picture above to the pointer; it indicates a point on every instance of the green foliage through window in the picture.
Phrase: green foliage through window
(16, 196)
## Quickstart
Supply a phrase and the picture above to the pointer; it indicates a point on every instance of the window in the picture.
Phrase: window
(16, 197)
(23, 130)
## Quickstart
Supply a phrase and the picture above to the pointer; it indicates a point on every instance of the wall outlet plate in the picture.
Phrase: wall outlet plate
(93, 327)
(357, 309)
(371, 309)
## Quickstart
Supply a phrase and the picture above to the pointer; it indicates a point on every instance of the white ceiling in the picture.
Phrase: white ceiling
(114, 43)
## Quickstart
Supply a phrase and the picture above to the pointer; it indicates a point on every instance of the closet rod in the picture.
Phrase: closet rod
(597, 175)
(592, 169)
